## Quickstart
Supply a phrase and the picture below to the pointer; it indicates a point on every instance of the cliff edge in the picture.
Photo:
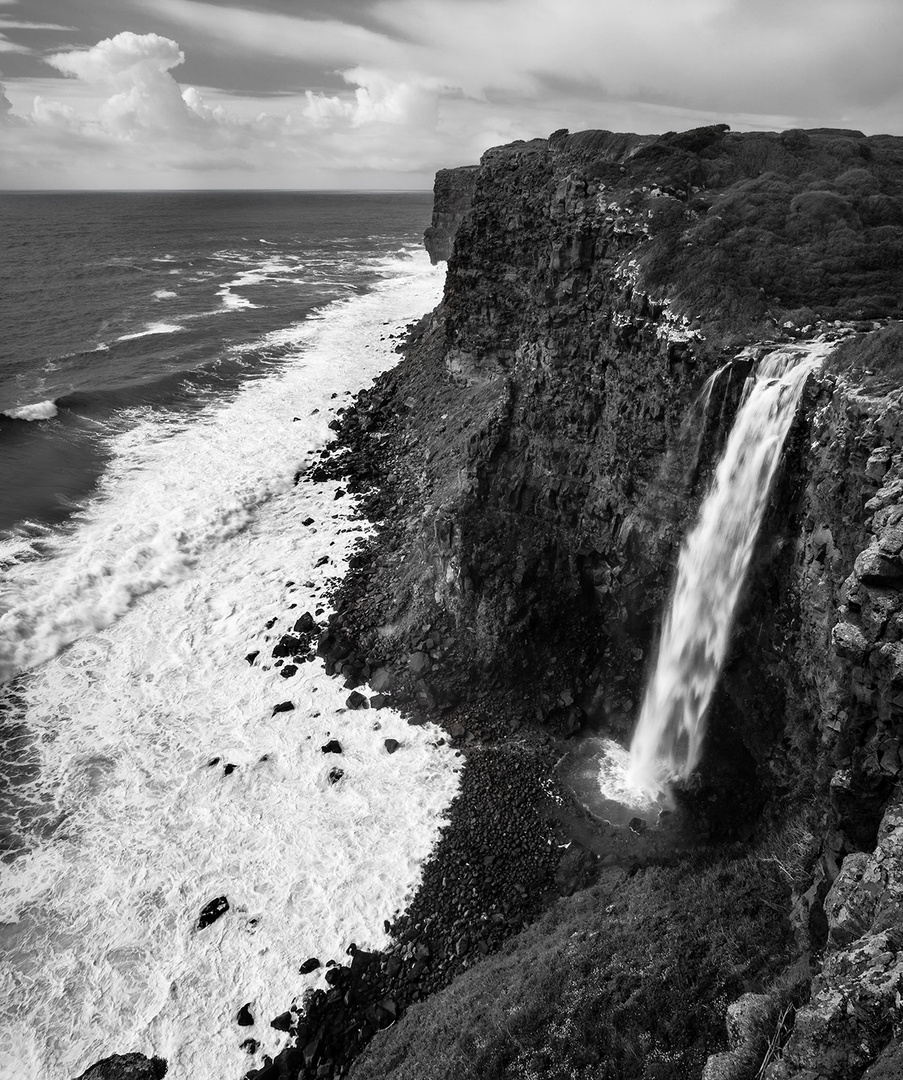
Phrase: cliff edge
(530, 468)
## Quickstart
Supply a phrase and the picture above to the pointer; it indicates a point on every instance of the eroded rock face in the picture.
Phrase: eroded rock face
(126, 1067)
(853, 1013)
(453, 193)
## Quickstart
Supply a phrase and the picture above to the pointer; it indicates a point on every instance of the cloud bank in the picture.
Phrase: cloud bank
(429, 83)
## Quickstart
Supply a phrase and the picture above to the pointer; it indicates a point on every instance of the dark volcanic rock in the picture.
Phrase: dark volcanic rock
(391, 745)
(453, 193)
(126, 1067)
(283, 706)
(356, 700)
(309, 965)
(332, 747)
(212, 911)
(244, 1017)
(335, 775)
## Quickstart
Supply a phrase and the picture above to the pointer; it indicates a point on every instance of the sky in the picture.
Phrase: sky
(378, 94)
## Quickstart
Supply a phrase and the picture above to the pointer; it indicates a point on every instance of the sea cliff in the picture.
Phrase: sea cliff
(530, 468)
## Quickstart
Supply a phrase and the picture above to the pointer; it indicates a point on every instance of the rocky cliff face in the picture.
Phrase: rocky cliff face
(541, 450)
(452, 196)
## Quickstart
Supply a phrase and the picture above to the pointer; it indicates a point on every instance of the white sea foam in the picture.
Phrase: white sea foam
(151, 329)
(102, 954)
(41, 410)
(164, 294)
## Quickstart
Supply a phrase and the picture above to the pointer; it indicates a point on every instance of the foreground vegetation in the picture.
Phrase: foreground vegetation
(627, 980)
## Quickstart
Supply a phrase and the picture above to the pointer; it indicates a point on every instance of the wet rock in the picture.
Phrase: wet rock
(391, 745)
(252, 656)
(288, 646)
(288, 671)
(307, 521)
(283, 706)
(335, 775)
(889, 1065)
(305, 624)
(212, 911)
(356, 700)
(381, 680)
(229, 768)
(282, 1022)
(332, 747)
(244, 1017)
(250, 1046)
(126, 1067)
(309, 965)
(378, 701)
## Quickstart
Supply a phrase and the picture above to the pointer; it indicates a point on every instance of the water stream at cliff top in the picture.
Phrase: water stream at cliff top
(712, 568)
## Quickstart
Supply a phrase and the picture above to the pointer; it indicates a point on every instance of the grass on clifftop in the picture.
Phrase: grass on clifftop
(628, 980)
(873, 361)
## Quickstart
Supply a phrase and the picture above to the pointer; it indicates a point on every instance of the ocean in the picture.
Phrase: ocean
(168, 364)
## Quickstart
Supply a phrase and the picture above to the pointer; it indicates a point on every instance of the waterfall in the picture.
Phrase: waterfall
(711, 569)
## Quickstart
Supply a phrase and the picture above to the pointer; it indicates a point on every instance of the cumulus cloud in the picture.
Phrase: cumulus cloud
(132, 123)
(429, 83)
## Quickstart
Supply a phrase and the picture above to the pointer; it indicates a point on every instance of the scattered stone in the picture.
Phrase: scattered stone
(252, 656)
(283, 706)
(391, 745)
(229, 768)
(335, 775)
(322, 560)
(288, 671)
(250, 1046)
(356, 700)
(244, 1018)
(339, 493)
(305, 624)
(419, 663)
(212, 911)
(307, 521)
(332, 747)
(269, 625)
(213, 761)
(309, 965)
(378, 701)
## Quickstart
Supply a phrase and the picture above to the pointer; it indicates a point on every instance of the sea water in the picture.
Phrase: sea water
(155, 423)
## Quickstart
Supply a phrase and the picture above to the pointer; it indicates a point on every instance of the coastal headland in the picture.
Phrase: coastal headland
(530, 468)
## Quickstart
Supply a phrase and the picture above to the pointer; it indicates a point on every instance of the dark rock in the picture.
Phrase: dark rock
(126, 1067)
(288, 671)
(252, 656)
(212, 911)
(309, 965)
(283, 706)
(339, 493)
(356, 700)
(229, 768)
(305, 624)
(307, 521)
(244, 1017)
(250, 1046)
(288, 646)
(269, 625)
(282, 1022)
(332, 747)
(391, 745)
(335, 775)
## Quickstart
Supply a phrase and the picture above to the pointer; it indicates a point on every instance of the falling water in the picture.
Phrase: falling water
(711, 570)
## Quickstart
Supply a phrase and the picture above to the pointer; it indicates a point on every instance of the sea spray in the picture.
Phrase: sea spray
(711, 570)
(155, 775)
